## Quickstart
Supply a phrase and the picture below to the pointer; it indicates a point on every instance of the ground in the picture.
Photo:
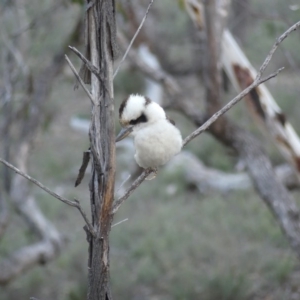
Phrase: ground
(176, 244)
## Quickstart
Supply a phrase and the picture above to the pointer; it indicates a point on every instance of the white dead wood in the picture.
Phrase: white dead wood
(207, 179)
(271, 190)
(258, 80)
(51, 241)
(102, 213)
(258, 164)
(193, 170)
(263, 106)
(153, 90)
(26, 257)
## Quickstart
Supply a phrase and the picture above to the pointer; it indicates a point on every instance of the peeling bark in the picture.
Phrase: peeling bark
(271, 190)
(261, 104)
(101, 20)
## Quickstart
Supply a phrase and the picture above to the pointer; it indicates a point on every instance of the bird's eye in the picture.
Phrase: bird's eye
(141, 119)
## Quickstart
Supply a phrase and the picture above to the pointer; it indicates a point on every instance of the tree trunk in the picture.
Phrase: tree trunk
(101, 36)
(271, 190)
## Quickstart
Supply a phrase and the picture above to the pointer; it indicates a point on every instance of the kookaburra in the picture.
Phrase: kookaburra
(156, 139)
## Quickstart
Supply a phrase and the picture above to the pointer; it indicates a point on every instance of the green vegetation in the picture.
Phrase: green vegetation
(191, 249)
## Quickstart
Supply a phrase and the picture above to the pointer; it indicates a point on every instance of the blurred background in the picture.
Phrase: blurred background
(181, 240)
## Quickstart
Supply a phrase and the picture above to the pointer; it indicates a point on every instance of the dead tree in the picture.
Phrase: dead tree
(101, 38)
(21, 121)
(271, 190)
(224, 130)
(98, 71)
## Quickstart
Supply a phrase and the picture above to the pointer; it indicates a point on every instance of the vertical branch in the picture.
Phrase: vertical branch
(212, 68)
(212, 74)
(4, 214)
(101, 24)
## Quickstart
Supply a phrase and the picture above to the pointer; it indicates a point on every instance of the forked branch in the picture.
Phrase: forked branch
(74, 203)
(131, 189)
(79, 79)
(229, 105)
(258, 80)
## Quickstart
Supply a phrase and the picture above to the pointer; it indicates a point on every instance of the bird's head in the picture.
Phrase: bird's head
(136, 112)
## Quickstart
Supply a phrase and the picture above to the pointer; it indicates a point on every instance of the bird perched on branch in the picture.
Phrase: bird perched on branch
(156, 139)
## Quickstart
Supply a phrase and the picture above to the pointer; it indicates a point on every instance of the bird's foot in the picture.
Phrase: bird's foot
(153, 174)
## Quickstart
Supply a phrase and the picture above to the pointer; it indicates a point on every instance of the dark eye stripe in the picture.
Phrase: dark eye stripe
(122, 106)
(141, 119)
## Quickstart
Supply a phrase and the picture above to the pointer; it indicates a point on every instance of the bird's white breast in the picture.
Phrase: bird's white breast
(156, 144)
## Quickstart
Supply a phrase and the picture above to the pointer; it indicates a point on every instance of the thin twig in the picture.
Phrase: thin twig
(130, 190)
(124, 181)
(133, 39)
(79, 79)
(90, 66)
(229, 105)
(258, 80)
(74, 203)
(275, 46)
(118, 223)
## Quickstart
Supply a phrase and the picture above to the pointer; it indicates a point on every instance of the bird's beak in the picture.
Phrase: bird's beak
(123, 133)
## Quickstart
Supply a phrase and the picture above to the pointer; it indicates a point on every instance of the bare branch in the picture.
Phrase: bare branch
(66, 201)
(50, 244)
(269, 114)
(26, 257)
(194, 134)
(88, 64)
(119, 223)
(206, 179)
(131, 189)
(258, 80)
(124, 181)
(101, 41)
(74, 203)
(229, 105)
(275, 46)
(133, 39)
(79, 79)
